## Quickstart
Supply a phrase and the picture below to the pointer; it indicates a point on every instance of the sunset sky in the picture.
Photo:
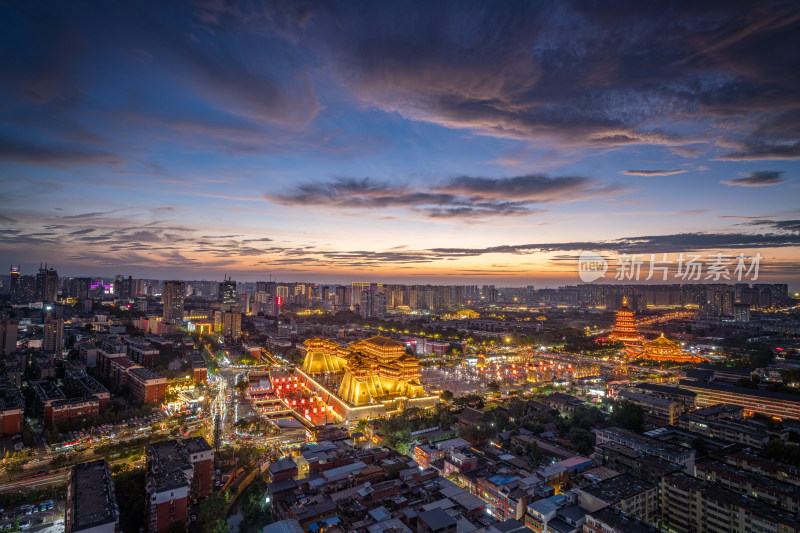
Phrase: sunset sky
(463, 142)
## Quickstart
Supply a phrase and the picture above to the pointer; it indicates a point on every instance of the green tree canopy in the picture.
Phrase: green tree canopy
(628, 415)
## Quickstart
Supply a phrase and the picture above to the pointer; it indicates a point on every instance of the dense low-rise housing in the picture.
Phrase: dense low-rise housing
(672, 453)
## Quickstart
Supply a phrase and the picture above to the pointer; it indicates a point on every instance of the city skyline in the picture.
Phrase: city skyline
(609, 283)
(468, 143)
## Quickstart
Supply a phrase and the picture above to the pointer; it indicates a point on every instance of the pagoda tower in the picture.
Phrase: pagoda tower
(625, 325)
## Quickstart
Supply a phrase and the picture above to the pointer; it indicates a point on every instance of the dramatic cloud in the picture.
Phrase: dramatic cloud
(785, 147)
(460, 197)
(17, 151)
(710, 73)
(529, 188)
(763, 178)
(652, 172)
(164, 71)
(681, 242)
(780, 225)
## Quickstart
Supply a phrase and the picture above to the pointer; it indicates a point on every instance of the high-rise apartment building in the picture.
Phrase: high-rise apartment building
(13, 280)
(741, 312)
(47, 284)
(123, 287)
(227, 292)
(77, 288)
(172, 297)
(341, 299)
(373, 301)
(53, 340)
(264, 303)
(356, 294)
(23, 288)
(229, 323)
(244, 302)
(138, 288)
(8, 336)
(458, 296)
(489, 294)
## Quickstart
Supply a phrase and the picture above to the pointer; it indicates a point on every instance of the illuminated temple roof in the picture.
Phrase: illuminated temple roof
(663, 349)
(383, 342)
(374, 369)
(662, 343)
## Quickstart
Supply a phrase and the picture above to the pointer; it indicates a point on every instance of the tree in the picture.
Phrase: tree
(780, 387)
(58, 461)
(628, 415)
(130, 489)
(582, 439)
(586, 417)
(493, 387)
(211, 516)
(256, 511)
(400, 441)
(293, 355)
(446, 396)
(469, 399)
(746, 383)
(220, 526)
(761, 357)
(446, 419)
(791, 377)
(27, 433)
(784, 452)
(516, 409)
(536, 452)
(52, 434)
(13, 465)
(475, 435)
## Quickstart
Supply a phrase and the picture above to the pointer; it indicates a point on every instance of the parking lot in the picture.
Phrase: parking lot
(96, 434)
(37, 517)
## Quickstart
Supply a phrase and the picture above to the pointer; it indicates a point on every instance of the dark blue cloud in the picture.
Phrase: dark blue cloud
(578, 73)
(583, 73)
(460, 197)
(761, 178)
